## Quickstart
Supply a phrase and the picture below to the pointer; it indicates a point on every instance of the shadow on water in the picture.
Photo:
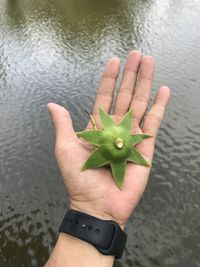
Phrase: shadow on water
(83, 25)
(71, 13)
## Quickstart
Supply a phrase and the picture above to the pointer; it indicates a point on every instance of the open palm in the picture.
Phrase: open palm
(95, 191)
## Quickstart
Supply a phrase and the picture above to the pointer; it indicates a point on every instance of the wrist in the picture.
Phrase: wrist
(73, 252)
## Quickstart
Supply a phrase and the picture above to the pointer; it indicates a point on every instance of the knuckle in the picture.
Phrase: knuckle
(141, 98)
(127, 90)
(103, 93)
(155, 117)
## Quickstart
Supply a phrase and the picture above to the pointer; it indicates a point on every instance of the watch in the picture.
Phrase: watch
(105, 235)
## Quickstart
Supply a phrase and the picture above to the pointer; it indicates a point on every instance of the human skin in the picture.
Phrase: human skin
(94, 191)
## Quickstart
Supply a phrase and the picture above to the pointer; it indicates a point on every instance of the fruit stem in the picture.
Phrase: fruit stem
(92, 120)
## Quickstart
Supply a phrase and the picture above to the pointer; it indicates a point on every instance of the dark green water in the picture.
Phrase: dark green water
(55, 51)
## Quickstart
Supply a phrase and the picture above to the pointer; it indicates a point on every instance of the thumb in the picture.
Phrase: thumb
(62, 122)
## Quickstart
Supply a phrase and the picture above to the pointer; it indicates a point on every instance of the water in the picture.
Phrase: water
(55, 51)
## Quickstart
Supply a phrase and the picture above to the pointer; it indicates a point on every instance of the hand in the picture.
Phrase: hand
(95, 191)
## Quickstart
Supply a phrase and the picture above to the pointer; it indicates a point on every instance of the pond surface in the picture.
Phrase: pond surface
(55, 51)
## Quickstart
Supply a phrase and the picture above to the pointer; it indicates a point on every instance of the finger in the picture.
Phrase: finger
(129, 78)
(63, 124)
(155, 115)
(141, 96)
(153, 121)
(104, 94)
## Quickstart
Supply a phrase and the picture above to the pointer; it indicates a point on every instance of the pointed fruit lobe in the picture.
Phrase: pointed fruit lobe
(114, 146)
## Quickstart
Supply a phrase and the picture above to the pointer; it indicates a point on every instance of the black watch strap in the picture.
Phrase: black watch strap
(105, 235)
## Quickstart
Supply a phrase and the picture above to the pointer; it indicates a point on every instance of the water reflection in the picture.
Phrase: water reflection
(56, 51)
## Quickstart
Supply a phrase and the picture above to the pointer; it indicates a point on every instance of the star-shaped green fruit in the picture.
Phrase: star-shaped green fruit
(114, 145)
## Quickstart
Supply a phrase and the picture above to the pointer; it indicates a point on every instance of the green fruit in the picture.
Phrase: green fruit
(114, 145)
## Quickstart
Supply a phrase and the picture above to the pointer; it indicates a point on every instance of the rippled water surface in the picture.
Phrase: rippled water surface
(55, 51)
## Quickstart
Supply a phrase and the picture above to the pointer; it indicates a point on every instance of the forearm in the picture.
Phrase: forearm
(73, 252)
